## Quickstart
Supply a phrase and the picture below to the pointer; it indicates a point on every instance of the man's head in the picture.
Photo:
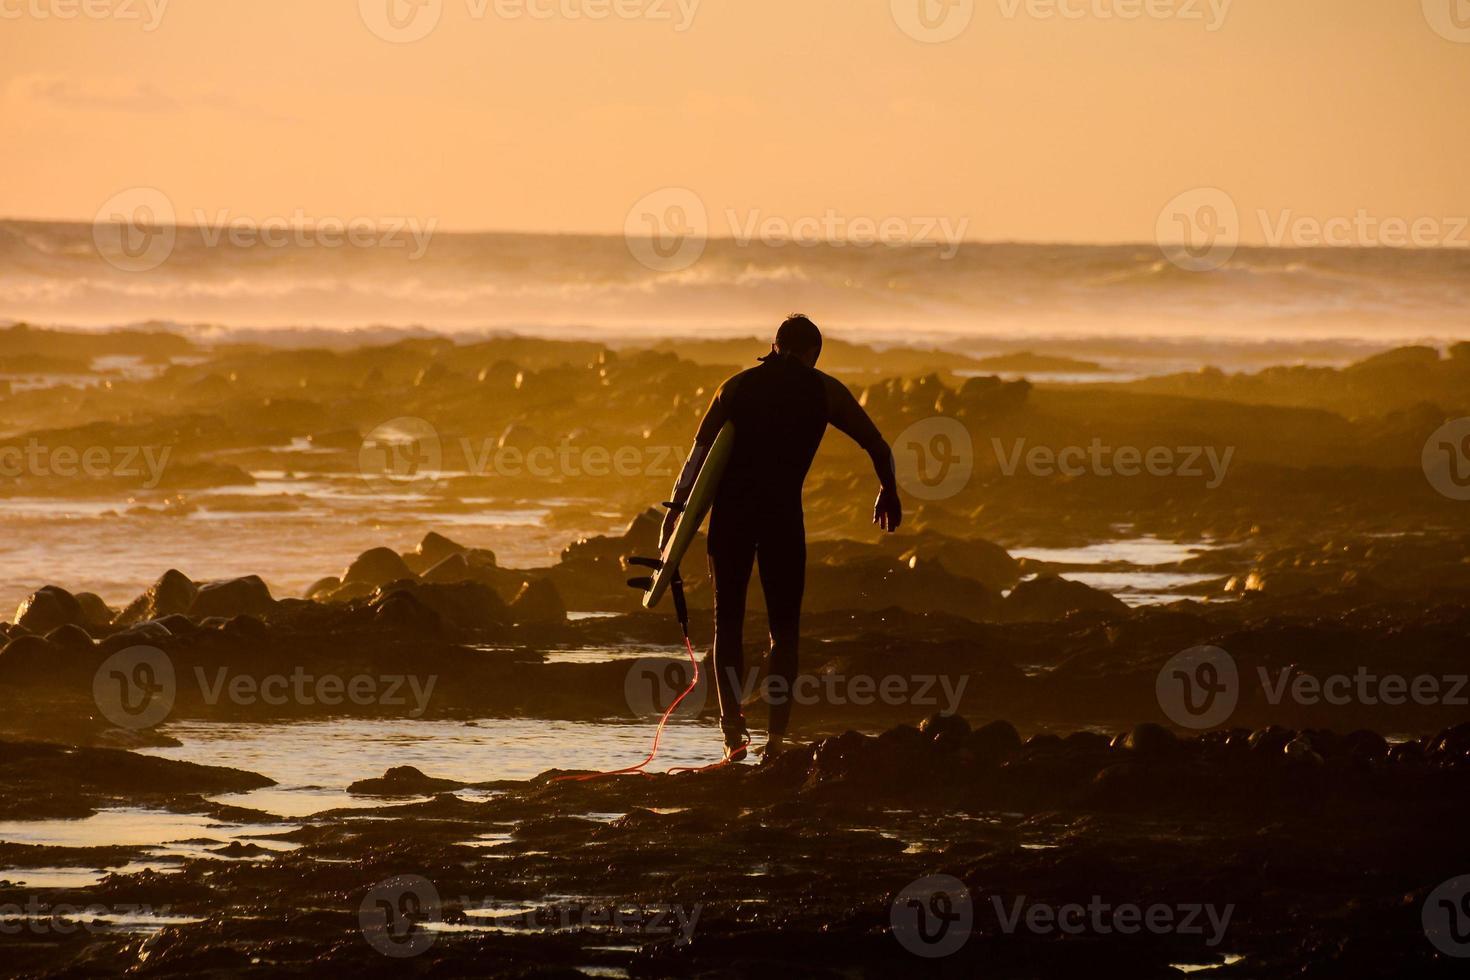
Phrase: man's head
(799, 337)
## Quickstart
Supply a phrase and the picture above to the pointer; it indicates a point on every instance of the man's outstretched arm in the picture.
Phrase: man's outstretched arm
(848, 416)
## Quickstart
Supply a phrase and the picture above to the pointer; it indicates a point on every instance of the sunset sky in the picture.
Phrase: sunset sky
(1030, 127)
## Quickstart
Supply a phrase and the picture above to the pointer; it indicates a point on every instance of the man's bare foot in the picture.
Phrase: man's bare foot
(775, 745)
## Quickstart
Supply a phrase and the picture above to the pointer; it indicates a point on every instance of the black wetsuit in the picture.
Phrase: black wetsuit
(781, 410)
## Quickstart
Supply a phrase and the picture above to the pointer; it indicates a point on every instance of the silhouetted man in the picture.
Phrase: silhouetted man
(781, 410)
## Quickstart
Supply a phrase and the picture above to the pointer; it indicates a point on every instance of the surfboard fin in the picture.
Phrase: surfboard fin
(653, 563)
(642, 584)
(674, 506)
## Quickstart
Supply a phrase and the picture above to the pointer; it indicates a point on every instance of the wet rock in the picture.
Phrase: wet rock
(454, 568)
(37, 777)
(322, 587)
(247, 595)
(996, 740)
(1042, 743)
(1049, 597)
(435, 547)
(538, 603)
(938, 726)
(246, 627)
(401, 609)
(178, 625)
(1301, 750)
(1366, 746)
(976, 559)
(916, 585)
(468, 605)
(1271, 740)
(71, 638)
(1451, 747)
(98, 612)
(174, 592)
(139, 634)
(1150, 741)
(403, 781)
(377, 567)
(49, 607)
(28, 659)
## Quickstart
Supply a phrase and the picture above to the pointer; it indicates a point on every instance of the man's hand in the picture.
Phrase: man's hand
(670, 519)
(887, 511)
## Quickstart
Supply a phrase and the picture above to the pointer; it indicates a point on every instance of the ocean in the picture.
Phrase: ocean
(977, 296)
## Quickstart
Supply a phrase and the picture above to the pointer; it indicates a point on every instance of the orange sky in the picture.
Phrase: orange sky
(1027, 126)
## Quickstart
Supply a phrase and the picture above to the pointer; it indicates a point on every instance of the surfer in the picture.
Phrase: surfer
(781, 410)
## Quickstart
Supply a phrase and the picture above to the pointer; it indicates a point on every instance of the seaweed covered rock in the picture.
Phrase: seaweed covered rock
(247, 595)
(538, 603)
(377, 567)
(174, 592)
(48, 608)
(1050, 597)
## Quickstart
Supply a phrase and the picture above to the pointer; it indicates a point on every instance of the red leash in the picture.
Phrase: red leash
(657, 735)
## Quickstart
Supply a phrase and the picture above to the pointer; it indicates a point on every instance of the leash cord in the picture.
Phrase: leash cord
(657, 735)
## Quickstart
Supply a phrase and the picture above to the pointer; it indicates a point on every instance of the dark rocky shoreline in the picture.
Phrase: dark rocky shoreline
(1326, 614)
(1322, 865)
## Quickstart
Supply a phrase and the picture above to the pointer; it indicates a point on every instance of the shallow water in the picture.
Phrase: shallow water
(139, 827)
(1136, 570)
(95, 545)
(1145, 550)
(315, 761)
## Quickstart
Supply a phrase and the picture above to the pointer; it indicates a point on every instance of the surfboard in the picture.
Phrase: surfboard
(701, 498)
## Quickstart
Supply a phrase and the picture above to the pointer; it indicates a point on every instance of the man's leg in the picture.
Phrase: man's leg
(731, 557)
(783, 579)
